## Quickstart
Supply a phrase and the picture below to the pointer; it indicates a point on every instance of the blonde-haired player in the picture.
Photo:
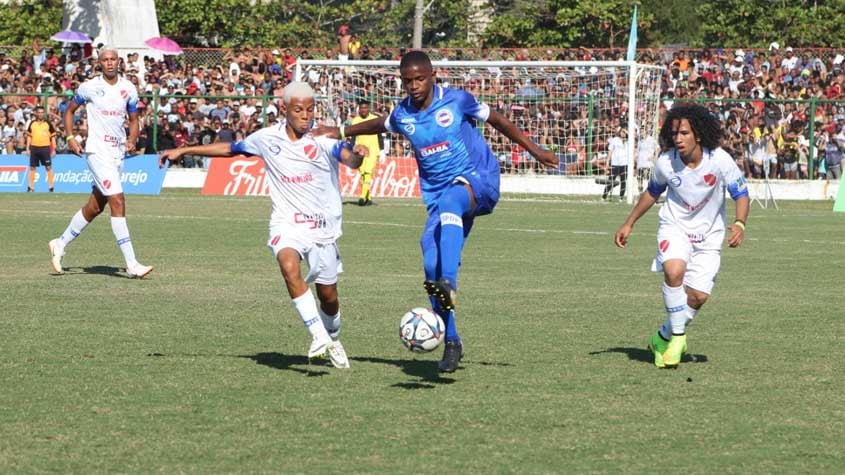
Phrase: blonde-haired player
(305, 221)
(375, 144)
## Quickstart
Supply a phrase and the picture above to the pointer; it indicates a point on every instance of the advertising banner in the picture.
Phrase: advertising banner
(246, 176)
(141, 175)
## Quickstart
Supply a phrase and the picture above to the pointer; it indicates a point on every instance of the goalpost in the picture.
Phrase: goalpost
(576, 108)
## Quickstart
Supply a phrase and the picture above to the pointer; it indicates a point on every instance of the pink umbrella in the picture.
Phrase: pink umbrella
(68, 36)
(163, 45)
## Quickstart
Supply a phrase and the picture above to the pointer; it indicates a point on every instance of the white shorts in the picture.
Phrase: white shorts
(703, 257)
(323, 259)
(107, 172)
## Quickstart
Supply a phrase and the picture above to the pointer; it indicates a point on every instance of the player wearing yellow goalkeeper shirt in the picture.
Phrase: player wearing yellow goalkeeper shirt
(375, 143)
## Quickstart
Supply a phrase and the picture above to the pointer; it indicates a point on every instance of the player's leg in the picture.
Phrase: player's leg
(672, 255)
(623, 181)
(325, 264)
(453, 204)
(92, 208)
(367, 168)
(33, 168)
(117, 205)
(303, 300)
(50, 177)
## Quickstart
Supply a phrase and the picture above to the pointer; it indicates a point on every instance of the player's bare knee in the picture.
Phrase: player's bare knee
(695, 298)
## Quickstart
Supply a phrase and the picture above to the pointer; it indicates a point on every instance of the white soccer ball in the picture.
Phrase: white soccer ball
(421, 330)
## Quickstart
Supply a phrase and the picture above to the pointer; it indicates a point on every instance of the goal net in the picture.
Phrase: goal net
(584, 111)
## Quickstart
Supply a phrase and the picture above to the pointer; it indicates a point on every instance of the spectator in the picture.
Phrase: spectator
(343, 39)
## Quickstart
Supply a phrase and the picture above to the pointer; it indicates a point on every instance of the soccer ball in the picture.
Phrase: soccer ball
(421, 330)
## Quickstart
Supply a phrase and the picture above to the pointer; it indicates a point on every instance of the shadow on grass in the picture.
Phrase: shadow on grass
(96, 270)
(425, 370)
(287, 362)
(645, 355)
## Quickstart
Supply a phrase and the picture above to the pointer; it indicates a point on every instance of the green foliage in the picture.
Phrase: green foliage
(514, 23)
(30, 19)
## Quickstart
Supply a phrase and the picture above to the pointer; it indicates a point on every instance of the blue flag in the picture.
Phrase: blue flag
(632, 39)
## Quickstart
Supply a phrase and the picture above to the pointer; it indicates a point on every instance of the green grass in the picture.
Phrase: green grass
(200, 368)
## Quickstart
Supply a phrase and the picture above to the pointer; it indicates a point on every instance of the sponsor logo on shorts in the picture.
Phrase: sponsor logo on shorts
(444, 118)
(664, 245)
(275, 240)
(710, 179)
(432, 149)
(107, 184)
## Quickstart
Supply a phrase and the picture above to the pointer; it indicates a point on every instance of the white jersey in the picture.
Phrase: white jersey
(618, 151)
(695, 202)
(304, 183)
(107, 106)
(646, 151)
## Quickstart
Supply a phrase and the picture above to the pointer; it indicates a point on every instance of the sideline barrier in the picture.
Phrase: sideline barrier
(246, 176)
(141, 175)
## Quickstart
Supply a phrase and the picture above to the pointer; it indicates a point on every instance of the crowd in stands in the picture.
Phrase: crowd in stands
(762, 96)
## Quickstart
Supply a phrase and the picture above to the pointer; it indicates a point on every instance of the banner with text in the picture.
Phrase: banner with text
(246, 176)
(141, 175)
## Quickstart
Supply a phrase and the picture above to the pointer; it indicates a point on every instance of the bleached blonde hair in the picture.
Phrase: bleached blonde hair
(299, 90)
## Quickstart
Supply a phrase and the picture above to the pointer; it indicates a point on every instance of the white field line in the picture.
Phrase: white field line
(409, 226)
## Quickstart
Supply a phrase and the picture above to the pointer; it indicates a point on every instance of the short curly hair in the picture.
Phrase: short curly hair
(705, 126)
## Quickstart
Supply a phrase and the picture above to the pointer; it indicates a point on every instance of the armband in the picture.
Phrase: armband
(347, 146)
(739, 224)
(342, 132)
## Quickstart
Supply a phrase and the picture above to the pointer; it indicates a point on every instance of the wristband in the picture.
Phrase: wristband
(342, 132)
(739, 224)
(70, 137)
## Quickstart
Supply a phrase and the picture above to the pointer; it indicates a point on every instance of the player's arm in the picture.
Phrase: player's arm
(646, 201)
(743, 204)
(72, 145)
(217, 149)
(352, 157)
(370, 127)
(134, 129)
(511, 131)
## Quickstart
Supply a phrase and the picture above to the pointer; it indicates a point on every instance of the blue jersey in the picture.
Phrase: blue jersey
(446, 143)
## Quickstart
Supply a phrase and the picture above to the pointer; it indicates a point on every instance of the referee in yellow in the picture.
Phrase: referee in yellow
(40, 144)
(375, 143)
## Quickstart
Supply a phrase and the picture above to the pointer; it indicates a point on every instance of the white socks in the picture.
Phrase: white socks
(77, 224)
(675, 300)
(331, 322)
(679, 315)
(306, 306)
(121, 235)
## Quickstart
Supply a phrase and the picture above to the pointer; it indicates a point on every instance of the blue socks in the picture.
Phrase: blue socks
(448, 320)
(453, 204)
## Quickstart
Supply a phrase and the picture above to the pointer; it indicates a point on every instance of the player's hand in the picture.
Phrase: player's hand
(621, 237)
(547, 158)
(331, 132)
(74, 147)
(361, 150)
(169, 155)
(737, 236)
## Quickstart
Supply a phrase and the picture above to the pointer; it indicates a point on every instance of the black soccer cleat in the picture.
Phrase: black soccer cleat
(452, 354)
(444, 293)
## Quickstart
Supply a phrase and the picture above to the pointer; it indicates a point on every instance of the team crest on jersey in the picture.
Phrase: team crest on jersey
(444, 118)
(311, 151)
(99, 92)
(409, 129)
(124, 94)
(664, 245)
(710, 179)
(675, 181)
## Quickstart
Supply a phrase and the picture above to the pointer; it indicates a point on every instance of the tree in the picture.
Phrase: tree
(22, 22)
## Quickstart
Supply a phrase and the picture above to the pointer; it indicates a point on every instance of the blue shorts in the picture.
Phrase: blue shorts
(485, 187)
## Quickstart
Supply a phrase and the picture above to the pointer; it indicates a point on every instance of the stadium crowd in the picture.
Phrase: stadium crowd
(761, 96)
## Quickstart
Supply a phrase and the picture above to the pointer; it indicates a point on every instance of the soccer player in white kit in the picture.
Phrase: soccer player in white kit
(305, 222)
(109, 98)
(696, 172)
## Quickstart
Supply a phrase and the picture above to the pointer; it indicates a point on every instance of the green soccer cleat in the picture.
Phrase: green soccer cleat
(658, 345)
(674, 350)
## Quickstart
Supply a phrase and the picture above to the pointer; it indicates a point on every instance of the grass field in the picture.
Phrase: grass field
(200, 367)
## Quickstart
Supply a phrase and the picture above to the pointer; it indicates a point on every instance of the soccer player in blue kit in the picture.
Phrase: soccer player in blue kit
(459, 175)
